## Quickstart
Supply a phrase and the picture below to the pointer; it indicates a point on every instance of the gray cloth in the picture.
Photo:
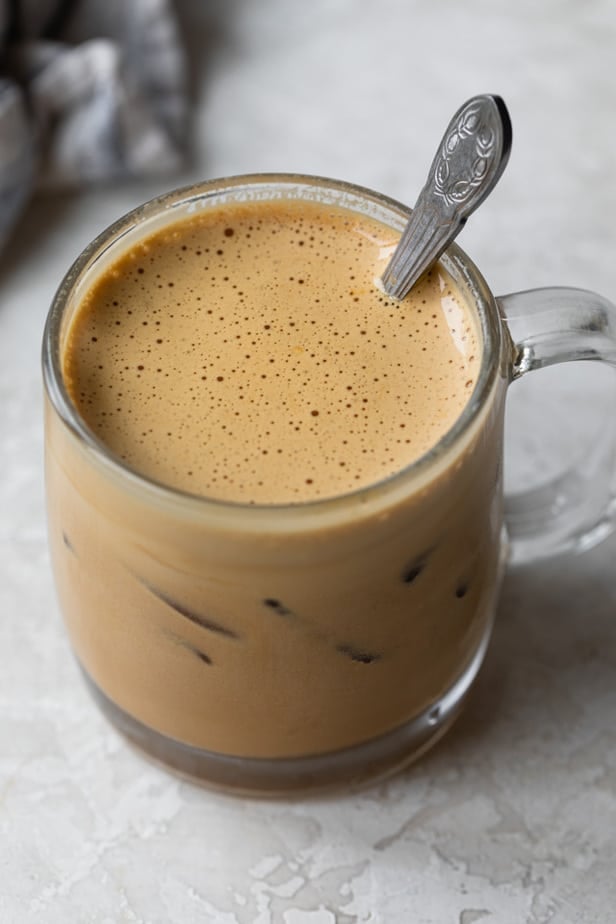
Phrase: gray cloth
(90, 90)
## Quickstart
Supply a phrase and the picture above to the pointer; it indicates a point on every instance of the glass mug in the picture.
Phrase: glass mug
(336, 639)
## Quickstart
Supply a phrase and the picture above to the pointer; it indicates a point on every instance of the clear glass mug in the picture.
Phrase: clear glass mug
(285, 648)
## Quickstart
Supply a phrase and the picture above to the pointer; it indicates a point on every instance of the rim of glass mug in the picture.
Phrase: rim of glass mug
(171, 207)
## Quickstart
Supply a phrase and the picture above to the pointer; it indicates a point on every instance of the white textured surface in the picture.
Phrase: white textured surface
(513, 817)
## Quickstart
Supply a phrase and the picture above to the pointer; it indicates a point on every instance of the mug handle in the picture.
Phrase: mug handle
(577, 509)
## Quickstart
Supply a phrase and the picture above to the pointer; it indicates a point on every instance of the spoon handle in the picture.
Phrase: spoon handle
(470, 159)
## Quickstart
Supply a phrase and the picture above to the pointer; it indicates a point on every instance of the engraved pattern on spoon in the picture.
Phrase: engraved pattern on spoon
(469, 162)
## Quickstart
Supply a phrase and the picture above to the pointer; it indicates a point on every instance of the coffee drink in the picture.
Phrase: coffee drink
(257, 550)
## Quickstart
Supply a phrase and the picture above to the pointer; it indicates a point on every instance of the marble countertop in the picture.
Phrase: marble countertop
(512, 818)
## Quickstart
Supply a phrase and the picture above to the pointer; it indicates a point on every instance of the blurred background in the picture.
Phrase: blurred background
(362, 91)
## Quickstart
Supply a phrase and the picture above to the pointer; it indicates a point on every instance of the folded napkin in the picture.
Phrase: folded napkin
(90, 90)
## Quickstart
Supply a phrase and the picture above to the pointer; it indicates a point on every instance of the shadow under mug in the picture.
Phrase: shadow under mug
(269, 649)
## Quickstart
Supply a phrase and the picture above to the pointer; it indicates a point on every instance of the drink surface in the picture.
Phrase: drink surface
(247, 354)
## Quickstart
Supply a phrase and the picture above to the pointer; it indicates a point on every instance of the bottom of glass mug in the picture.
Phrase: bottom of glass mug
(350, 768)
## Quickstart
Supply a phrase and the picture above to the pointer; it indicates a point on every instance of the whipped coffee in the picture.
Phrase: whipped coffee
(247, 354)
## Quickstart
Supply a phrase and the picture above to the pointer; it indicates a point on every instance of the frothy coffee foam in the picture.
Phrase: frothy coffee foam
(247, 354)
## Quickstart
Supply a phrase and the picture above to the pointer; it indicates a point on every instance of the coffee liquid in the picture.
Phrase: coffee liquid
(246, 354)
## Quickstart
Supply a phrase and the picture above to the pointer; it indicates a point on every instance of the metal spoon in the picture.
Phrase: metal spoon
(470, 159)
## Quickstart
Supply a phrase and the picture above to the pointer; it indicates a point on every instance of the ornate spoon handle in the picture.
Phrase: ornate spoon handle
(470, 159)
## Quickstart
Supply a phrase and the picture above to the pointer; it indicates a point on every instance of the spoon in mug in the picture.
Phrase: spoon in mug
(469, 162)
